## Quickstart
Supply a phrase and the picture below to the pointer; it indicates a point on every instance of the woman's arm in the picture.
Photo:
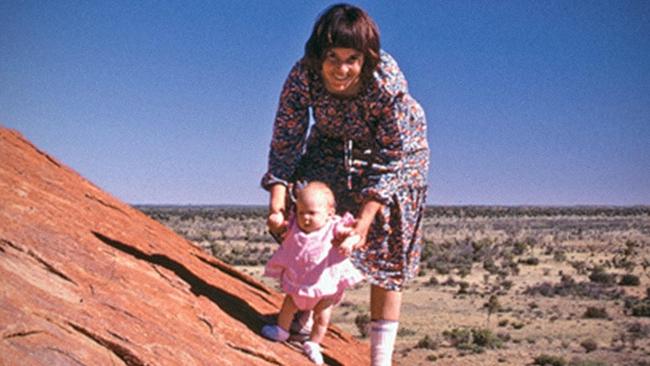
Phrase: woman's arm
(289, 129)
(289, 135)
(278, 195)
(400, 135)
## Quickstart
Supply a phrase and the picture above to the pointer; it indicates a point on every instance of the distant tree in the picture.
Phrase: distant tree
(492, 306)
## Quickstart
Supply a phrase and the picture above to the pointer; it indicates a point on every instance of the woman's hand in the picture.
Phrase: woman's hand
(363, 223)
(345, 239)
(354, 236)
(349, 244)
(277, 220)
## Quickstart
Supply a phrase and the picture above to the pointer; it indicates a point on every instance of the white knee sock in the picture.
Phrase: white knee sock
(382, 341)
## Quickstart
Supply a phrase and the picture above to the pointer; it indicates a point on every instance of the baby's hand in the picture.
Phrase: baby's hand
(349, 243)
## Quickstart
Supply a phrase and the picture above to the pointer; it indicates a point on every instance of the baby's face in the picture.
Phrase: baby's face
(313, 211)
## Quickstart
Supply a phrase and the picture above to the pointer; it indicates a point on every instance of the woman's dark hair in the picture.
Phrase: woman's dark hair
(344, 26)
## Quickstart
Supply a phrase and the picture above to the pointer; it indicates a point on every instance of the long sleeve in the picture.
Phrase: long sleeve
(400, 135)
(390, 137)
(290, 128)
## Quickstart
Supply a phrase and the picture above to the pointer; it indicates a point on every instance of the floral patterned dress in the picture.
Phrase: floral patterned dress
(372, 146)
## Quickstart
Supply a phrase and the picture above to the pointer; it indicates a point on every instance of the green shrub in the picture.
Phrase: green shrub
(433, 281)
(638, 307)
(586, 363)
(432, 358)
(589, 345)
(474, 339)
(531, 261)
(490, 266)
(548, 360)
(638, 330)
(569, 287)
(362, 321)
(593, 312)
(504, 337)
(598, 275)
(519, 248)
(405, 332)
(458, 336)
(427, 343)
(518, 325)
(485, 338)
(506, 284)
(629, 280)
(463, 286)
(442, 267)
(428, 250)
(559, 256)
(642, 309)
(493, 305)
(464, 271)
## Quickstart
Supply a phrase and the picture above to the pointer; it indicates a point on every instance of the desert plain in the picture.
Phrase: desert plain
(497, 285)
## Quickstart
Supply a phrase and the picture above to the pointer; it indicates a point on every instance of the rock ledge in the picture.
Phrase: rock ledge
(89, 280)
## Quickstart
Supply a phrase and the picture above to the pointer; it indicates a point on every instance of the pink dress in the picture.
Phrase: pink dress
(309, 267)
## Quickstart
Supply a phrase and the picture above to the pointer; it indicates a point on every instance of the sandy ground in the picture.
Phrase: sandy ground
(569, 241)
(533, 324)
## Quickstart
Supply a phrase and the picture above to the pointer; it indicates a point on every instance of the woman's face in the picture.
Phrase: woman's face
(342, 71)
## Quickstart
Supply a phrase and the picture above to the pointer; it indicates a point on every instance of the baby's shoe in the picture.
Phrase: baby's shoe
(312, 350)
(275, 333)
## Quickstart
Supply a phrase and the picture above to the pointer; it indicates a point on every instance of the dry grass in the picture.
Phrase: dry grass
(545, 267)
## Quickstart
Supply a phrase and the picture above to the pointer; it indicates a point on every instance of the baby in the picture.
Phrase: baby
(312, 272)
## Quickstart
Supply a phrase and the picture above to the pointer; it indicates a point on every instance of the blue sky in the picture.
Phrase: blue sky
(528, 102)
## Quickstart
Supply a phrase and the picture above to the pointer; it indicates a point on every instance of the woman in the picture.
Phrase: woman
(368, 143)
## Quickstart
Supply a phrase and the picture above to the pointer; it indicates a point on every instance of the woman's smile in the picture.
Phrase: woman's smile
(342, 71)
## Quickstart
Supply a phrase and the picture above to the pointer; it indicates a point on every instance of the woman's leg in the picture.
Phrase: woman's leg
(384, 304)
(384, 313)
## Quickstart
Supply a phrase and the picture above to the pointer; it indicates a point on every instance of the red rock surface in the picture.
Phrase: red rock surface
(89, 280)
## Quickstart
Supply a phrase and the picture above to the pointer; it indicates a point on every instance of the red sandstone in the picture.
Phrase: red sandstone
(89, 280)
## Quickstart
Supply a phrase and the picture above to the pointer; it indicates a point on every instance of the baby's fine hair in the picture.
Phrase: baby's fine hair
(318, 187)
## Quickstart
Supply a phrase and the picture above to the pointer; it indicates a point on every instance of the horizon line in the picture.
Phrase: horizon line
(579, 205)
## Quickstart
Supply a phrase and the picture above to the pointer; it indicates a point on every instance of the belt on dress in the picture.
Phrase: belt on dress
(356, 165)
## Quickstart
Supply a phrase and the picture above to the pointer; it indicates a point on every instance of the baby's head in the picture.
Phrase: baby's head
(315, 205)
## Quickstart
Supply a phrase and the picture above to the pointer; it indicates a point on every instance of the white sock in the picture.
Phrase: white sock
(382, 341)
(312, 350)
